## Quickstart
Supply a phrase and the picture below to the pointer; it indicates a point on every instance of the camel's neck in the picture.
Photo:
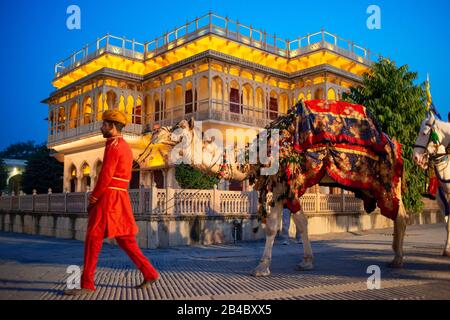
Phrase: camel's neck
(231, 173)
(444, 128)
(212, 161)
(211, 158)
(443, 167)
(443, 172)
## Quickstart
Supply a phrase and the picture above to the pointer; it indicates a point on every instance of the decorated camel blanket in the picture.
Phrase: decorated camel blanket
(344, 141)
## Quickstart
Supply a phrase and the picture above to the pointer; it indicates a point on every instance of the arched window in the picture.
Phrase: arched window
(129, 108)
(247, 96)
(217, 93)
(318, 94)
(147, 111)
(188, 99)
(203, 87)
(158, 113)
(301, 96)
(234, 97)
(284, 103)
(73, 116)
(331, 95)
(260, 102)
(167, 106)
(122, 103)
(87, 110)
(178, 102)
(51, 122)
(178, 96)
(111, 99)
(73, 178)
(86, 182)
(137, 111)
(61, 119)
(273, 105)
(101, 106)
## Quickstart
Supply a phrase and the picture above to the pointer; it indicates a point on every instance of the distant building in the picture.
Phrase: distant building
(15, 169)
(218, 71)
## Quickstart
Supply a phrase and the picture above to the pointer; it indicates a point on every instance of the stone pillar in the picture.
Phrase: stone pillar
(93, 176)
(170, 201)
(170, 178)
(317, 199)
(79, 183)
(215, 201)
(67, 176)
(146, 179)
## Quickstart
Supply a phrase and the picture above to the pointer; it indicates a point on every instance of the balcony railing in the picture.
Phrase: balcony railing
(211, 109)
(206, 109)
(222, 26)
(169, 201)
(58, 135)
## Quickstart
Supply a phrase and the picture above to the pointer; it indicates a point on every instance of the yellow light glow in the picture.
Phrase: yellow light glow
(86, 170)
(158, 155)
(216, 43)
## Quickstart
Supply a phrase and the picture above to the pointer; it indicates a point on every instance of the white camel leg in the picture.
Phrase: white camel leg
(301, 223)
(441, 205)
(447, 244)
(272, 226)
(399, 233)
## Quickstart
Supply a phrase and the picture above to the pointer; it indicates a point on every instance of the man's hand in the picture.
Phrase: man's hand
(92, 200)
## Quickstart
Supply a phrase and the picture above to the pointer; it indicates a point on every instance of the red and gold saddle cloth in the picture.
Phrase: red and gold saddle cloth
(344, 141)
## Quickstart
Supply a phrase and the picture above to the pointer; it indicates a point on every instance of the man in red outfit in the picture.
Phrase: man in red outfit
(110, 212)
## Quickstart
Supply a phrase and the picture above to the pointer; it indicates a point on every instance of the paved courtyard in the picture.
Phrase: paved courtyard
(34, 267)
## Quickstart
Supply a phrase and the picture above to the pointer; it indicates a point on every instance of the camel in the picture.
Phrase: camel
(432, 150)
(183, 134)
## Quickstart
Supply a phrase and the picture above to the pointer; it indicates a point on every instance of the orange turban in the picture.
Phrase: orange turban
(115, 115)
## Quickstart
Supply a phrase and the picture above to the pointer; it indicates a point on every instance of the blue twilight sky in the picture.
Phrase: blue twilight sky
(34, 37)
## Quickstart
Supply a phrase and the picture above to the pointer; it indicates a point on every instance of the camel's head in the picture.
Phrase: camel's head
(172, 135)
(162, 135)
(187, 140)
(427, 142)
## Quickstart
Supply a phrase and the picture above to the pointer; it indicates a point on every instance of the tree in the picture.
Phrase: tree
(43, 172)
(20, 150)
(398, 104)
(3, 175)
(189, 177)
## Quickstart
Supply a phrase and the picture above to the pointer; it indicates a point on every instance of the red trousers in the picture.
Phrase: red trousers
(92, 248)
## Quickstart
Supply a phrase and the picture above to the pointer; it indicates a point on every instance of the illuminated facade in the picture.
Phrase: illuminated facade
(216, 70)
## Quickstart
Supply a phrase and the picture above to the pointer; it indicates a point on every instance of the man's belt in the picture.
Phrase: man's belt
(119, 184)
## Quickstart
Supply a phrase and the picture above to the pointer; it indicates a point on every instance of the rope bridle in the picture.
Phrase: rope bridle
(433, 158)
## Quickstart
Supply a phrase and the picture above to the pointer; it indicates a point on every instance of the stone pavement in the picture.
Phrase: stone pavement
(34, 267)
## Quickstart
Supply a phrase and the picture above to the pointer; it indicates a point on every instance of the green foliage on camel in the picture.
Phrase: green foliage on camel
(391, 95)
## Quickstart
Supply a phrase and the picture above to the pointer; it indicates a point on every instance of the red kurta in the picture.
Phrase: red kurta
(112, 215)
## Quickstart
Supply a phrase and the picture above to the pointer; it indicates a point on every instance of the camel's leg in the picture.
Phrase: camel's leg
(301, 223)
(447, 244)
(441, 205)
(399, 232)
(272, 226)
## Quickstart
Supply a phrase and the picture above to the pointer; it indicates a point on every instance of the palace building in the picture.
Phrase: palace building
(218, 71)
